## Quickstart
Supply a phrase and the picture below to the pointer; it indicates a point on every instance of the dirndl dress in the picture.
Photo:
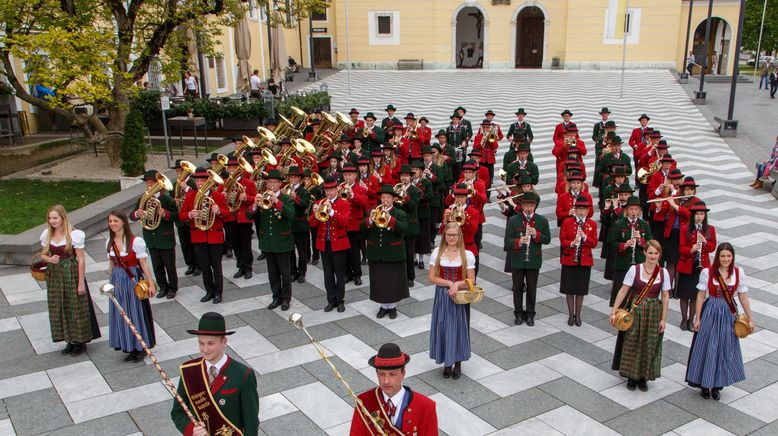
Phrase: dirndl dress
(139, 311)
(71, 316)
(715, 359)
(449, 332)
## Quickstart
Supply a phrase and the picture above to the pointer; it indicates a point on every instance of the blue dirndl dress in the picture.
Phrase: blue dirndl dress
(449, 333)
(120, 336)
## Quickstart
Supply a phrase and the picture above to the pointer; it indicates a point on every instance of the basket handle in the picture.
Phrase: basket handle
(470, 287)
(36, 255)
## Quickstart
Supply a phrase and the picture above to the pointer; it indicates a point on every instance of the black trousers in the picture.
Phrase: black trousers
(334, 263)
(280, 275)
(618, 281)
(524, 280)
(209, 256)
(490, 167)
(314, 252)
(479, 236)
(185, 240)
(773, 89)
(164, 263)
(241, 243)
(229, 236)
(436, 216)
(299, 261)
(354, 258)
(410, 248)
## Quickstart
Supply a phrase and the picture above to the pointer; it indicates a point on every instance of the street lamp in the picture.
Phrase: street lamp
(728, 127)
(683, 76)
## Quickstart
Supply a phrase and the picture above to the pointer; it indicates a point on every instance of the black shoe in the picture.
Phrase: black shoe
(248, 274)
(171, 295)
(410, 283)
(273, 305)
(196, 272)
(261, 256)
(715, 394)
(131, 356)
(578, 320)
(519, 320)
(631, 384)
(238, 274)
(705, 393)
(284, 307)
(217, 299)
(330, 307)
(447, 372)
(341, 307)
(139, 357)
(208, 297)
(228, 253)
(68, 348)
(315, 262)
(420, 265)
(78, 349)
(684, 325)
(301, 279)
(358, 281)
(382, 313)
(189, 271)
(161, 293)
(530, 321)
(643, 385)
(457, 372)
(570, 320)
(364, 261)
(392, 313)
(295, 276)
(348, 279)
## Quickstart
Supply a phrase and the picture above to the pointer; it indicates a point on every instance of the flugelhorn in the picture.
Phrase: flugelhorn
(344, 190)
(266, 200)
(325, 207)
(374, 425)
(380, 217)
(457, 214)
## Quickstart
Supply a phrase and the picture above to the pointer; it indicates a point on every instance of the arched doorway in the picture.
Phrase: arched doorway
(718, 46)
(469, 38)
(530, 29)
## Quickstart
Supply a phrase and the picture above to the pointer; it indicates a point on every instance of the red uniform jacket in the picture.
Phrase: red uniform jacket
(477, 201)
(214, 235)
(683, 214)
(294, 160)
(373, 186)
(636, 138)
(653, 183)
(560, 152)
(567, 236)
(564, 203)
(414, 144)
(487, 151)
(559, 132)
(469, 228)
(483, 174)
(251, 195)
(358, 205)
(688, 247)
(419, 418)
(358, 125)
(337, 225)
(425, 135)
(389, 175)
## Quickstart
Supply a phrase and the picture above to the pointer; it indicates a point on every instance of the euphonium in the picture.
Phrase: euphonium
(344, 123)
(323, 138)
(344, 190)
(267, 159)
(150, 204)
(247, 143)
(187, 168)
(293, 126)
(316, 180)
(266, 135)
(380, 217)
(233, 188)
(458, 214)
(308, 153)
(203, 203)
(323, 214)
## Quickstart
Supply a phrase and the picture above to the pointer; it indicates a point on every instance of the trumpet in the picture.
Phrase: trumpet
(491, 137)
(325, 207)
(187, 168)
(457, 214)
(470, 189)
(150, 204)
(401, 190)
(203, 204)
(380, 217)
(344, 190)
(266, 200)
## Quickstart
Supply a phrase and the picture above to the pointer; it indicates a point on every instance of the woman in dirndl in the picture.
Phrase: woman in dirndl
(638, 353)
(450, 265)
(71, 314)
(715, 359)
(127, 255)
(698, 241)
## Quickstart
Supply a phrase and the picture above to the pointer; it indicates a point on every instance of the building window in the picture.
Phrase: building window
(221, 75)
(384, 28)
(319, 16)
(384, 25)
(628, 22)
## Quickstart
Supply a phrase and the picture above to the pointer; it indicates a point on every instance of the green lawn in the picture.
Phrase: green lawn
(23, 203)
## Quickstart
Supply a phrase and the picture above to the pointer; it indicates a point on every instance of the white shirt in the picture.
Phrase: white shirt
(218, 364)
(255, 83)
(138, 246)
(397, 400)
(77, 238)
(664, 278)
(191, 83)
(702, 285)
(470, 257)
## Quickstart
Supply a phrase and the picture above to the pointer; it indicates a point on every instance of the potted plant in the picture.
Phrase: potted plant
(242, 114)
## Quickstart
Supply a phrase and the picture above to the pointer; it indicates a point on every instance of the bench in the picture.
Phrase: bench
(727, 128)
(774, 176)
(410, 64)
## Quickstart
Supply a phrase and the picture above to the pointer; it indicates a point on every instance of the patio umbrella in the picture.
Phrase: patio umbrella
(243, 52)
(191, 47)
(279, 58)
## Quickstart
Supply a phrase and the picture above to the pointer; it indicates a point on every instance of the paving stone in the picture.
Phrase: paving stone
(715, 412)
(293, 423)
(759, 373)
(154, 419)
(139, 375)
(284, 379)
(367, 330)
(417, 308)
(583, 350)
(464, 391)
(767, 430)
(521, 354)
(322, 371)
(174, 314)
(655, 418)
(297, 337)
(15, 345)
(37, 412)
(120, 424)
(482, 344)
(415, 343)
(583, 399)
(515, 408)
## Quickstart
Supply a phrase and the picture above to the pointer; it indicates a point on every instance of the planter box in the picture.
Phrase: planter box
(238, 124)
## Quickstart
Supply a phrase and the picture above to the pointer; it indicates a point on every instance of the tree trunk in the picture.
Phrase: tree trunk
(117, 114)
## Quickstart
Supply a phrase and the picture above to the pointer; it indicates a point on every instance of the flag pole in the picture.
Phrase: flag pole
(624, 51)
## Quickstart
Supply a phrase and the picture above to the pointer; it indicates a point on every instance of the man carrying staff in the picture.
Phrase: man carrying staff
(395, 408)
(220, 392)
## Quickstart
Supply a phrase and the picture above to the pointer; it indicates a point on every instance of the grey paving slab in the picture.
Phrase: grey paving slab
(760, 373)
(367, 330)
(118, 424)
(767, 430)
(515, 408)
(139, 375)
(322, 371)
(297, 337)
(715, 412)
(284, 379)
(154, 419)
(581, 349)
(482, 344)
(414, 343)
(15, 345)
(466, 392)
(655, 418)
(583, 399)
(521, 354)
(37, 412)
(293, 423)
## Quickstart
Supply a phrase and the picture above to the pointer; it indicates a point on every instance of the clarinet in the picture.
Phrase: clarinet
(632, 230)
(698, 256)
(577, 258)
(526, 227)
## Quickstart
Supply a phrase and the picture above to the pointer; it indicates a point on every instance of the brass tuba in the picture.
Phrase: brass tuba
(323, 138)
(232, 186)
(323, 214)
(380, 217)
(187, 168)
(266, 135)
(267, 159)
(247, 144)
(220, 164)
(308, 155)
(203, 203)
(150, 204)
(293, 126)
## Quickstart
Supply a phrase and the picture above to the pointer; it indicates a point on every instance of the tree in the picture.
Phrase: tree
(133, 149)
(92, 52)
(753, 21)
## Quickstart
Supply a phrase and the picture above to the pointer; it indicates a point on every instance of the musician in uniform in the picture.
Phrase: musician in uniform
(523, 162)
(627, 239)
(184, 238)
(394, 408)
(471, 219)
(608, 160)
(300, 229)
(358, 124)
(411, 133)
(561, 128)
(207, 244)
(332, 241)
(482, 173)
(598, 131)
(566, 203)
(275, 238)
(469, 126)
(219, 391)
(698, 241)
(422, 243)
(409, 203)
(390, 119)
(374, 135)
(215, 165)
(610, 184)
(613, 210)
(333, 170)
(665, 225)
(487, 141)
(457, 137)
(369, 179)
(161, 241)
(570, 144)
(358, 203)
(520, 125)
(436, 175)
(603, 141)
(425, 133)
(656, 187)
(449, 152)
(639, 137)
(525, 234)
(317, 193)
(239, 230)
(386, 254)
(577, 238)
(676, 213)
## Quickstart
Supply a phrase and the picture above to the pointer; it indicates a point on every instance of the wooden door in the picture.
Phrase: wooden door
(322, 52)
(529, 47)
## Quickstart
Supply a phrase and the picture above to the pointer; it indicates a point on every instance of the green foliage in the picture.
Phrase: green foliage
(307, 102)
(133, 148)
(752, 22)
(148, 104)
(251, 109)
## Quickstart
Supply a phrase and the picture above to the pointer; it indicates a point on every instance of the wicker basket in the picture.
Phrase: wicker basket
(471, 295)
(38, 269)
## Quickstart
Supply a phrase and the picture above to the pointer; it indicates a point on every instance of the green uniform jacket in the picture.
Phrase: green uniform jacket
(163, 237)
(531, 168)
(513, 230)
(275, 226)
(301, 207)
(455, 138)
(451, 152)
(438, 185)
(619, 234)
(371, 144)
(598, 131)
(192, 185)
(515, 127)
(386, 245)
(607, 160)
(411, 209)
(428, 194)
(510, 157)
(238, 394)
